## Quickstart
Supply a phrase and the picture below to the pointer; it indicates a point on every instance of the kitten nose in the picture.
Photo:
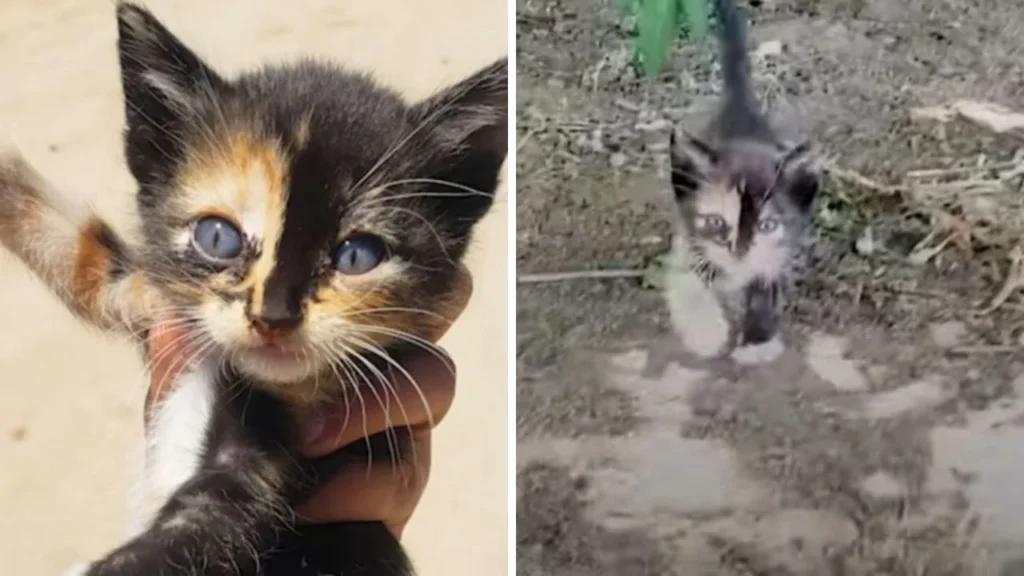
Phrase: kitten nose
(270, 325)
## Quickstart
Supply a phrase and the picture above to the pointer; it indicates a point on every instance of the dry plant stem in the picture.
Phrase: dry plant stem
(1014, 279)
(930, 173)
(858, 179)
(989, 349)
(545, 277)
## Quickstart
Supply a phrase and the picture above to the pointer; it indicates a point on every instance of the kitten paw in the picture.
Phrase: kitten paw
(764, 353)
(707, 344)
(697, 317)
(80, 569)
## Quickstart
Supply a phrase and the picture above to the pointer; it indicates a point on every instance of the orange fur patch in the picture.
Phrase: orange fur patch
(244, 178)
(90, 276)
(358, 306)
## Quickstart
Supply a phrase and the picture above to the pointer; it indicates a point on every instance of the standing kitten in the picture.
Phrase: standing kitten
(744, 200)
(301, 223)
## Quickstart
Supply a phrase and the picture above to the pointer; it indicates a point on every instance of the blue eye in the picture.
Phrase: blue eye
(217, 239)
(359, 255)
(767, 225)
(711, 223)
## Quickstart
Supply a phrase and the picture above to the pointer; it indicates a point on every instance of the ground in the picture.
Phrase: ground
(70, 402)
(885, 440)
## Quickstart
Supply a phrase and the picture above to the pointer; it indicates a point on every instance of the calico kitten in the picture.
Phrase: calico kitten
(744, 201)
(302, 223)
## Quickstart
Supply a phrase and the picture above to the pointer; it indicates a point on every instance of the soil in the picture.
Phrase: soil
(885, 440)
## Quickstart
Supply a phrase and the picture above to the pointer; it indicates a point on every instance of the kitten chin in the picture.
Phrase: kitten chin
(281, 368)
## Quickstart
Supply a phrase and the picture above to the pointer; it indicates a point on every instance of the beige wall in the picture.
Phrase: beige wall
(70, 400)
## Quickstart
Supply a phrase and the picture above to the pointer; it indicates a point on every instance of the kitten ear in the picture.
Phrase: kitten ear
(692, 160)
(802, 174)
(467, 125)
(164, 84)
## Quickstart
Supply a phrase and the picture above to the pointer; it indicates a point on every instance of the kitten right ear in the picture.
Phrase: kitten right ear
(164, 84)
(692, 160)
(468, 127)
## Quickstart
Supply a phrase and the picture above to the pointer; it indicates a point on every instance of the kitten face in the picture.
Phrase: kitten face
(744, 207)
(299, 216)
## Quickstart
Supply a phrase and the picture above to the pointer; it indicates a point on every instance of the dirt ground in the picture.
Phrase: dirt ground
(70, 402)
(886, 441)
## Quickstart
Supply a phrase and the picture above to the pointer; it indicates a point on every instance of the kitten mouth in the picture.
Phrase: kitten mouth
(274, 362)
(273, 352)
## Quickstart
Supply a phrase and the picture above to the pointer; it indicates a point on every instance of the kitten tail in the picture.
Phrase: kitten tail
(741, 115)
(76, 254)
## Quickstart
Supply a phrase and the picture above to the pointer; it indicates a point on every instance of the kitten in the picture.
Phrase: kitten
(744, 201)
(302, 223)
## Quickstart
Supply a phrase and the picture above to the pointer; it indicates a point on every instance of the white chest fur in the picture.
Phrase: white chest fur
(175, 443)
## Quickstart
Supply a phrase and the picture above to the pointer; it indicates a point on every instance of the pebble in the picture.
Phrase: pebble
(882, 485)
(947, 334)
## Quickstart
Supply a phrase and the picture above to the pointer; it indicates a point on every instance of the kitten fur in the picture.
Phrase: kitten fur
(744, 201)
(315, 168)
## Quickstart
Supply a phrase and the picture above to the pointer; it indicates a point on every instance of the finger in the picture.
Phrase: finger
(418, 398)
(167, 350)
(386, 493)
(462, 289)
(421, 396)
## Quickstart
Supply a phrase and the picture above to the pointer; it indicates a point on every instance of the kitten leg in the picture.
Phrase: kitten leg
(227, 502)
(697, 315)
(74, 253)
(176, 440)
(760, 341)
(763, 353)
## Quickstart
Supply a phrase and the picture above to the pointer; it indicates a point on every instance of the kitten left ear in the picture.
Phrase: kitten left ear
(802, 174)
(164, 84)
(692, 160)
(467, 127)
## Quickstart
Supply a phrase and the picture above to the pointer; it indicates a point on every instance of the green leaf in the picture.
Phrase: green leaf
(696, 15)
(657, 27)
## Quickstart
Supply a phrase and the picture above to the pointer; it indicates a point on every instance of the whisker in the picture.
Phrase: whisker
(389, 385)
(413, 339)
(390, 433)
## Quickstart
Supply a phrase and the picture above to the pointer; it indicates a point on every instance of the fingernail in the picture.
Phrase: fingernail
(313, 425)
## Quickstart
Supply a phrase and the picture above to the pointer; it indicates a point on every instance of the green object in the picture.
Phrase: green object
(697, 17)
(659, 23)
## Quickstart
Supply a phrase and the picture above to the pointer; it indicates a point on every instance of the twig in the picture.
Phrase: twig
(526, 138)
(543, 277)
(987, 349)
(1014, 279)
(861, 180)
(930, 173)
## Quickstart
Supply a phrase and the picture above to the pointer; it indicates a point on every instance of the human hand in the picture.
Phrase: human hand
(379, 491)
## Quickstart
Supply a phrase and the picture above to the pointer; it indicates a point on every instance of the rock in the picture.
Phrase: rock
(768, 48)
(883, 486)
(922, 394)
(825, 358)
(866, 244)
(947, 334)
